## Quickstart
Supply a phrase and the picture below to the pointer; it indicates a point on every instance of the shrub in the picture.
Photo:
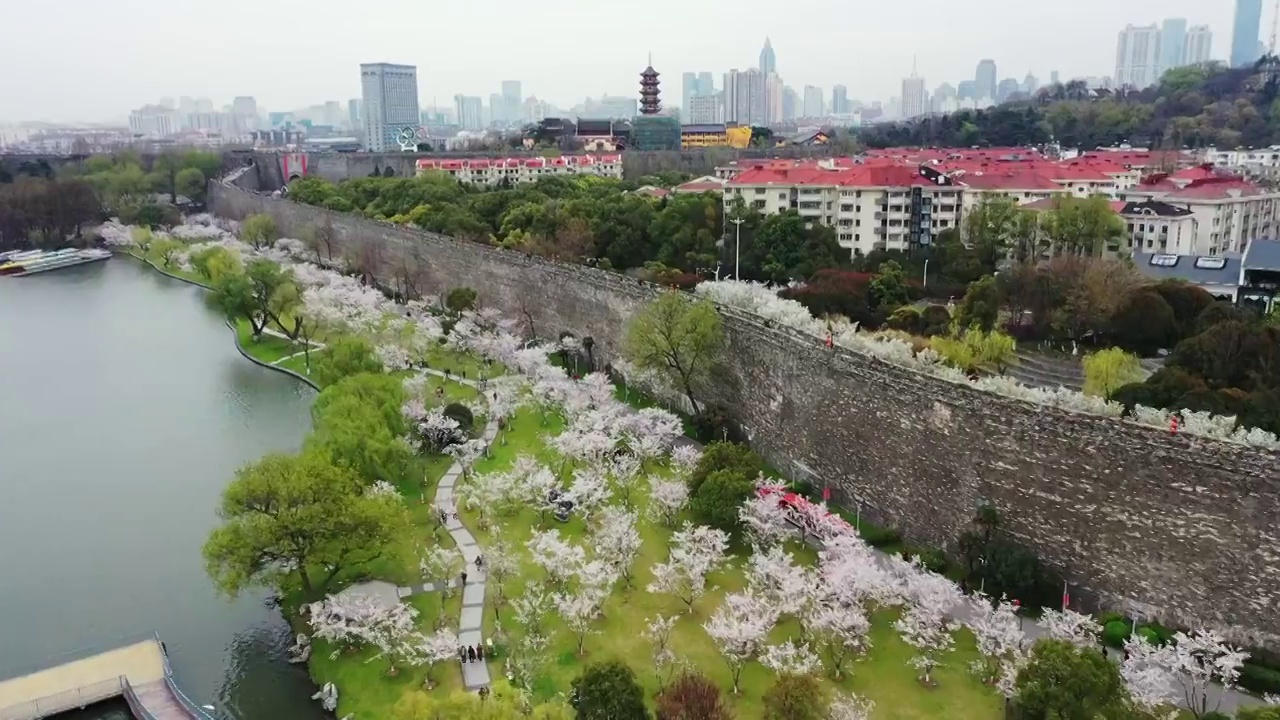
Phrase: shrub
(880, 537)
(1144, 323)
(796, 697)
(608, 691)
(906, 319)
(1111, 616)
(935, 320)
(1259, 679)
(692, 697)
(1115, 632)
(934, 561)
(724, 456)
(462, 414)
(718, 498)
(977, 351)
(980, 307)
(1219, 312)
(1270, 712)
(1108, 370)
(1187, 302)
(460, 299)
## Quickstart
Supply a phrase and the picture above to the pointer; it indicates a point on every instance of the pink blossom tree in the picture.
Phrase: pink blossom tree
(1190, 665)
(774, 575)
(739, 628)
(560, 560)
(694, 552)
(840, 631)
(998, 631)
(617, 541)
(666, 499)
(789, 658)
(765, 518)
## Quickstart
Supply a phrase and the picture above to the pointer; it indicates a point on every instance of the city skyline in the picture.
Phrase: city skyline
(947, 42)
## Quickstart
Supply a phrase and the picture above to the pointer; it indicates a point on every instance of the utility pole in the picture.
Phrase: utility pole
(737, 247)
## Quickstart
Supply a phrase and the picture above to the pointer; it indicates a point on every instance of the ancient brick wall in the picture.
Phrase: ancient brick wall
(1182, 529)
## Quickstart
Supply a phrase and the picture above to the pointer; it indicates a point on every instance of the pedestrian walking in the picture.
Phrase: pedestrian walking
(471, 654)
(464, 577)
(462, 653)
(480, 653)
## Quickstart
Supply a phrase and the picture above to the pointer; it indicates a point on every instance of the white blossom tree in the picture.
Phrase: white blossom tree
(774, 575)
(684, 458)
(850, 707)
(1186, 668)
(998, 631)
(435, 431)
(580, 609)
(666, 499)
(925, 624)
(658, 633)
(559, 559)
(347, 620)
(430, 650)
(466, 453)
(441, 564)
(739, 628)
(624, 472)
(500, 565)
(393, 634)
(765, 518)
(530, 608)
(589, 490)
(839, 629)
(489, 494)
(617, 541)
(537, 486)
(788, 658)
(695, 551)
(1076, 628)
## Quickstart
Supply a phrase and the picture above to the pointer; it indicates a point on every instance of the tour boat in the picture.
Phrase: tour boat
(45, 261)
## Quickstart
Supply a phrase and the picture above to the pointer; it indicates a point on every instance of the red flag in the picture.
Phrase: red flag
(1173, 424)
(1066, 600)
(826, 494)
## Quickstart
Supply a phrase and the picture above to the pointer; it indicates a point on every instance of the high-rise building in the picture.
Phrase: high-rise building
(1006, 89)
(353, 112)
(1030, 84)
(688, 90)
(244, 113)
(840, 100)
(768, 61)
(1245, 33)
(1173, 44)
(915, 101)
(814, 103)
(511, 99)
(744, 97)
(790, 104)
(704, 110)
(390, 103)
(773, 89)
(497, 108)
(470, 111)
(967, 90)
(1138, 56)
(984, 80)
(706, 84)
(1055, 78)
(1199, 45)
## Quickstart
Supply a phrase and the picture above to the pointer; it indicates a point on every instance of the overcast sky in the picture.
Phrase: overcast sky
(78, 60)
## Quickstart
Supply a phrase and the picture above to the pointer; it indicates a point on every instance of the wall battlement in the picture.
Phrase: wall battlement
(1179, 528)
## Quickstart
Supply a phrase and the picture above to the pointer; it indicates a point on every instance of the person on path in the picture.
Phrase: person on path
(480, 653)
(464, 577)
(479, 562)
(471, 654)
(462, 653)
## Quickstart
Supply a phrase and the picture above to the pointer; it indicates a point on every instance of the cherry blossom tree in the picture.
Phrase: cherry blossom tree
(537, 486)
(589, 490)
(346, 620)
(789, 658)
(850, 707)
(739, 628)
(840, 630)
(383, 489)
(998, 631)
(489, 494)
(466, 453)
(579, 610)
(500, 565)
(527, 657)
(658, 633)
(624, 472)
(430, 650)
(765, 518)
(530, 608)
(774, 575)
(1076, 628)
(695, 551)
(617, 541)
(1184, 669)
(666, 499)
(435, 431)
(925, 624)
(560, 560)
(851, 574)
(393, 634)
(684, 458)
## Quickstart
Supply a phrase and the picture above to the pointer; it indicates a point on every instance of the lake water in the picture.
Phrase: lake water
(125, 409)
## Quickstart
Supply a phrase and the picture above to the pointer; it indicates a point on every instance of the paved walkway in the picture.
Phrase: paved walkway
(315, 346)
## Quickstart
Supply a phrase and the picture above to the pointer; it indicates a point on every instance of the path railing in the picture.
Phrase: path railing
(196, 711)
(66, 700)
(135, 705)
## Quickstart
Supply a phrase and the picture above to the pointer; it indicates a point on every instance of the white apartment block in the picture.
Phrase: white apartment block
(1138, 56)
(492, 171)
(705, 110)
(1224, 216)
(1199, 46)
(1261, 163)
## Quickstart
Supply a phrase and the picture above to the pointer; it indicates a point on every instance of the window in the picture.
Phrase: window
(759, 191)
(782, 196)
(1211, 263)
(1164, 260)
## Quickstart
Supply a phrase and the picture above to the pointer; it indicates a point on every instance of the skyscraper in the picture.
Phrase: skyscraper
(840, 100)
(1138, 56)
(353, 113)
(706, 84)
(790, 103)
(914, 98)
(1245, 33)
(689, 89)
(1173, 44)
(1199, 45)
(1054, 77)
(390, 103)
(768, 61)
(744, 97)
(470, 111)
(511, 100)
(773, 88)
(984, 81)
(814, 103)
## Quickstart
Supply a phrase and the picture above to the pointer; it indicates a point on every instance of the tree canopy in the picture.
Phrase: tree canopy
(678, 338)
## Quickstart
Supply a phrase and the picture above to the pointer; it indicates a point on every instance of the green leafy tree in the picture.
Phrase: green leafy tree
(980, 307)
(356, 433)
(1108, 370)
(191, 183)
(297, 521)
(460, 299)
(166, 249)
(975, 351)
(1083, 226)
(1067, 682)
(785, 249)
(1144, 323)
(249, 295)
(503, 703)
(344, 357)
(214, 262)
(718, 498)
(796, 697)
(731, 456)
(259, 231)
(888, 289)
(608, 691)
(997, 228)
(679, 339)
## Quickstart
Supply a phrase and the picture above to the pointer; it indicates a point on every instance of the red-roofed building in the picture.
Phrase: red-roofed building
(491, 171)
(1228, 211)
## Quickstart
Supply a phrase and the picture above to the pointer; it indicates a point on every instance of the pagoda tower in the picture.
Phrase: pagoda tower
(649, 102)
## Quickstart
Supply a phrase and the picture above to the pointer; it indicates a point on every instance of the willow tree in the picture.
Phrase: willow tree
(677, 338)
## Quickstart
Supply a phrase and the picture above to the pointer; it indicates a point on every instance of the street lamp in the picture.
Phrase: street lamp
(925, 281)
(737, 246)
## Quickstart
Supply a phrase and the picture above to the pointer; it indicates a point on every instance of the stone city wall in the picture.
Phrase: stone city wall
(1182, 529)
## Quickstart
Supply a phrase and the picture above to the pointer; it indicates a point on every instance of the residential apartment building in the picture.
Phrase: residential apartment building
(704, 110)
(491, 171)
(744, 97)
(1245, 31)
(1259, 163)
(1199, 45)
(915, 100)
(389, 103)
(1138, 56)
(154, 121)
(470, 111)
(814, 103)
(1228, 210)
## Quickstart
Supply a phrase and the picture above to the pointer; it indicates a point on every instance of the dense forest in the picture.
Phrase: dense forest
(1195, 106)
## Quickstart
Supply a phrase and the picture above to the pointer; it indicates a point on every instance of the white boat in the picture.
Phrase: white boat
(56, 260)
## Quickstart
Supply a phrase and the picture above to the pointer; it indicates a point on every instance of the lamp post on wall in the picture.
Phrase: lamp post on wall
(737, 247)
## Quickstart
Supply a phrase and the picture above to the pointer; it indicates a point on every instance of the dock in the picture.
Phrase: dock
(138, 672)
